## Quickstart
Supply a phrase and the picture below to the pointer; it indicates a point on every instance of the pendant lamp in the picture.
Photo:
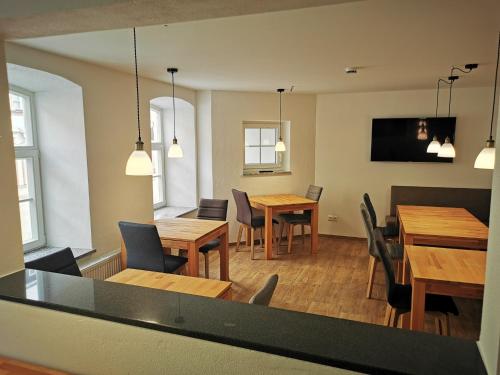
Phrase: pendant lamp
(447, 150)
(434, 146)
(175, 150)
(280, 146)
(139, 163)
(486, 158)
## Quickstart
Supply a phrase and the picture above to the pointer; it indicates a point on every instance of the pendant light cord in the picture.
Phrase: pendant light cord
(137, 88)
(280, 115)
(173, 99)
(449, 102)
(495, 91)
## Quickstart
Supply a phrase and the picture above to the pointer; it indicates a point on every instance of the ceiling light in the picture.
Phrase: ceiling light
(447, 150)
(280, 146)
(175, 150)
(139, 162)
(434, 146)
(486, 158)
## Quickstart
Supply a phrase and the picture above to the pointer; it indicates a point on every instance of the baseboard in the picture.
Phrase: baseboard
(323, 235)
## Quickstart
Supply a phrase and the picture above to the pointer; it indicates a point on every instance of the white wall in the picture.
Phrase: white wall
(63, 159)
(103, 347)
(110, 133)
(11, 248)
(204, 143)
(489, 341)
(343, 139)
(229, 110)
(181, 172)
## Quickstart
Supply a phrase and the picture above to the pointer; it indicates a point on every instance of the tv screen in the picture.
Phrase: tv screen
(406, 139)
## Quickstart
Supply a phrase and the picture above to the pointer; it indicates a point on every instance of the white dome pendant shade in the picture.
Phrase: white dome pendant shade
(434, 146)
(280, 146)
(175, 150)
(486, 158)
(139, 163)
(447, 150)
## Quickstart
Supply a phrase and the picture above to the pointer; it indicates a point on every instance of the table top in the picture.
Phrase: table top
(280, 200)
(456, 266)
(441, 222)
(184, 229)
(173, 283)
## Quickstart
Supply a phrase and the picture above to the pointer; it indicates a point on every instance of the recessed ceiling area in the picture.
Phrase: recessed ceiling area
(394, 44)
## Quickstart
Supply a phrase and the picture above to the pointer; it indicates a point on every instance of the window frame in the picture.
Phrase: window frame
(160, 147)
(32, 152)
(255, 167)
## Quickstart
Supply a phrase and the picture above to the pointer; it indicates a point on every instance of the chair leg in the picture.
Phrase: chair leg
(252, 245)
(372, 268)
(261, 237)
(290, 237)
(388, 315)
(238, 239)
(445, 324)
(395, 318)
(438, 325)
(303, 235)
(282, 225)
(274, 240)
(206, 265)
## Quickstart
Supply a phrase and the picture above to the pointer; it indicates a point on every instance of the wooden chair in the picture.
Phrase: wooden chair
(302, 219)
(249, 221)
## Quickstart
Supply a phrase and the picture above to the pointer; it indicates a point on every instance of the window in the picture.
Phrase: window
(27, 169)
(260, 140)
(158, 158)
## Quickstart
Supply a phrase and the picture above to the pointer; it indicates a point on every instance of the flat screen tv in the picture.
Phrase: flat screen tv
(406, 139)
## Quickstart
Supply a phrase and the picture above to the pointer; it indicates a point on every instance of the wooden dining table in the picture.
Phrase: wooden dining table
(174, 283)
(443, 271)
(276, 203)
(191, 234)
(439, 226)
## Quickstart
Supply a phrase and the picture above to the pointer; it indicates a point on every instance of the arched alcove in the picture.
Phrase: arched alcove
(178, 177)
(57, 118)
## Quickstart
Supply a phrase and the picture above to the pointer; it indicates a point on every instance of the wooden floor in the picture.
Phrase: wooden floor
(332, 283)
(13, 367)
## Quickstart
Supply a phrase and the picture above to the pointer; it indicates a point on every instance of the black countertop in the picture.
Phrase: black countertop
(336, 342)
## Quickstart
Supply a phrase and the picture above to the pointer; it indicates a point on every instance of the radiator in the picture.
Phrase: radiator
(104, 267)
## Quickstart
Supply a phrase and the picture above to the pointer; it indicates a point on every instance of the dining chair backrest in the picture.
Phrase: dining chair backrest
(212, 209)
(371, 210)
(365, 215)
(388, 265)
(264, 295)
(61, 262)
(143, 244)
(314, 192)
(243, 208)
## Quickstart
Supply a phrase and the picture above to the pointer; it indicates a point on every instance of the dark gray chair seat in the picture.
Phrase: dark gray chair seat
(62, 262)
(296, 218)
(260, 221)
(214, 244)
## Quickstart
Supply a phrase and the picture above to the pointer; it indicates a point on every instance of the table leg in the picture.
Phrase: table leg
(269, 232)
(417, 305)
(408, 240)
(314, 229)
(224, 255)
(193, 260)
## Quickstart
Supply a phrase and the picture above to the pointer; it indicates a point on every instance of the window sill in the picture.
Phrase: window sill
(44, 251)
(264, 174)
(171, 212)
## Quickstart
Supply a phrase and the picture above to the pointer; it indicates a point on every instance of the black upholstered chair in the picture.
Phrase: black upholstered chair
(248, 220)
(390, 230)
(144, 249)
(264, 295)
(61, 262)
(211, 209)
(395, 250)
(399, 296)
(302, 219)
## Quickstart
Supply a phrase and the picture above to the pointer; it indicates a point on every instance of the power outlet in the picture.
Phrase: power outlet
(333, 218)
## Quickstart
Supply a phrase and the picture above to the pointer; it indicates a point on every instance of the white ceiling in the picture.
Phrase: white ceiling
(36, 80)
(397, 44)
